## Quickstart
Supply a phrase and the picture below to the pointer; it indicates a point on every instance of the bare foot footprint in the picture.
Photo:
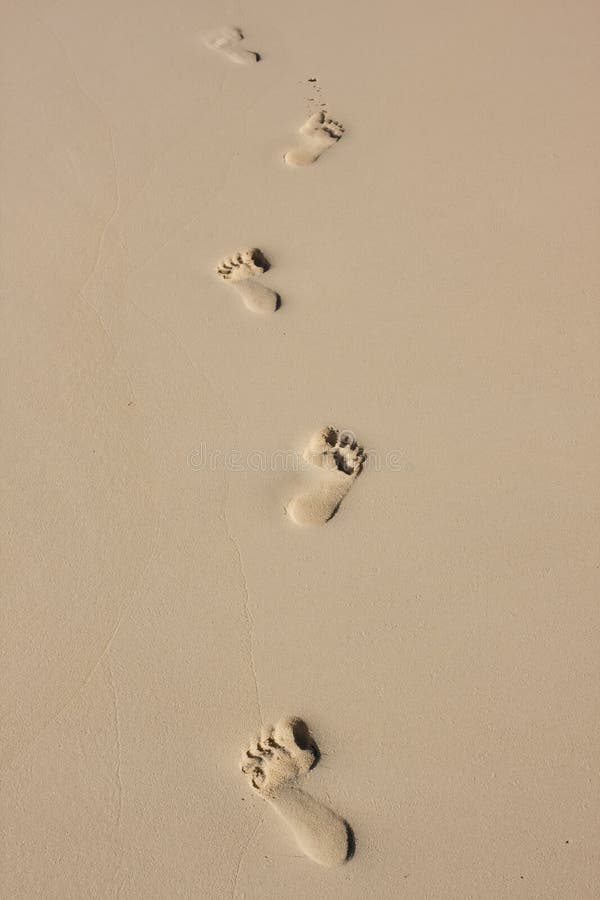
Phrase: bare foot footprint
(227, 41)
(241, 270)
(339, 455)
(274, 763)
(319, 134)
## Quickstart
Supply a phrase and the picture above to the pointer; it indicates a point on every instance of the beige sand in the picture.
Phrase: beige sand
(439, 272)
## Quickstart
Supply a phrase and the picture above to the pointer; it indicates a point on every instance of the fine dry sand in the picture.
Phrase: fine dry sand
(438, 271)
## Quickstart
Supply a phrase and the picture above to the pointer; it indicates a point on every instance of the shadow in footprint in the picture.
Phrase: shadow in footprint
(351, 841)
(305, 740)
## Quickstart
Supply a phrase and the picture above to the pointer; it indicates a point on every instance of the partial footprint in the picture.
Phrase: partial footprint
(339, 455)
(319, 134)
(227, 41)
(275, 762)
(242, 270)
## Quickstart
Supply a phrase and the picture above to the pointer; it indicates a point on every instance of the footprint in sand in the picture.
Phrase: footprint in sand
(242, 270)
(319, 134)
(227, 41)
(340, 457)
(274, 763)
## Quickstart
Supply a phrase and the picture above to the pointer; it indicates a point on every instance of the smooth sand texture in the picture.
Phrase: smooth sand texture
(440, 273)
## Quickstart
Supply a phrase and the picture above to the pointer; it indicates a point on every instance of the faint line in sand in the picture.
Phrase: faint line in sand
(245, 849)
(118, 780)
(248, 617)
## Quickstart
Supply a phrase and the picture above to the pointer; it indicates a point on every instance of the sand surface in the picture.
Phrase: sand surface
(439, 276)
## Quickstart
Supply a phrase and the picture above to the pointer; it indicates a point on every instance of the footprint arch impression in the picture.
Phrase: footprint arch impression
(319, 133)
(275, 763)
(243, 271)
(341, 460)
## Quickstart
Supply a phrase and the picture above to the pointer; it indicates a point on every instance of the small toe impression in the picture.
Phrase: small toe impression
(334, 129)
(253, 768)
(323, 440)
(253, 763)
(327, 437)
(257, 778)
